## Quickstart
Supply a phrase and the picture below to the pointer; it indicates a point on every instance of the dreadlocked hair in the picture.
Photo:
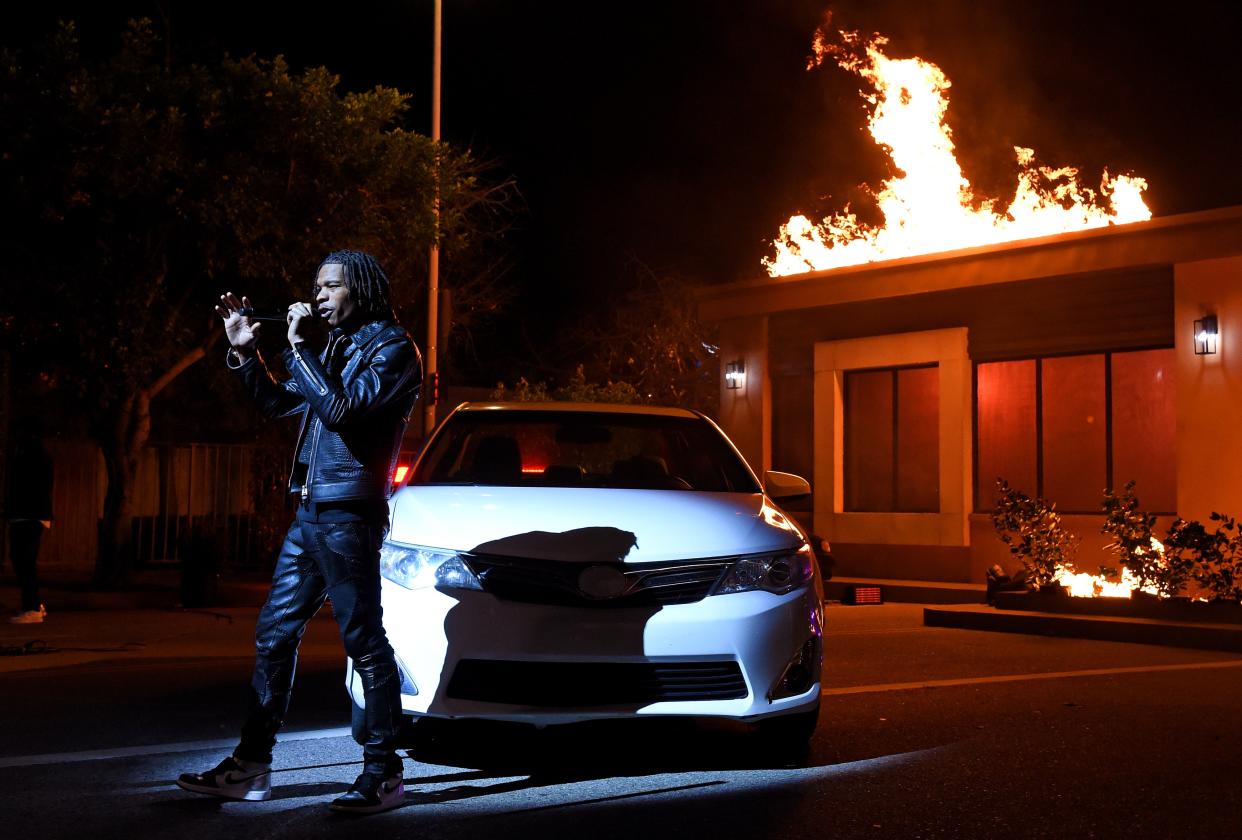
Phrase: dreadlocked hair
(367, 283)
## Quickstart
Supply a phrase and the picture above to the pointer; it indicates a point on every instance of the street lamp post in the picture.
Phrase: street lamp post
(431, 389)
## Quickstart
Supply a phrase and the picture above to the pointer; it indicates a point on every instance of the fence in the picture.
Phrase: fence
(188, 494)
(219, 493)
(77, 505)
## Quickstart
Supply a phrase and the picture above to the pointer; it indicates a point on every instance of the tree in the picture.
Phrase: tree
(648, 346)
(136, 192)
(650, 340)
(653, 339)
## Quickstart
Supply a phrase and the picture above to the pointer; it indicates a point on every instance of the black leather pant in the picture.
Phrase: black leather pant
(337, 560)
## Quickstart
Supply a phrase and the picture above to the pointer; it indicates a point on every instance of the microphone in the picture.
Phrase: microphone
(283, 317)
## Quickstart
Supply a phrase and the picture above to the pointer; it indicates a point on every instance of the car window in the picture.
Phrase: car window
(583, 449)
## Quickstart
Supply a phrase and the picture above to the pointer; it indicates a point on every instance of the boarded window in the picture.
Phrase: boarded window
(1065, 428)
(892, 459)
(869, 440)
(1075, 440)
(1007, 445)
(1144, 427)
(918, 439)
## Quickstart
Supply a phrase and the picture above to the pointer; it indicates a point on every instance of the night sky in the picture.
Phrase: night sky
(680, 134)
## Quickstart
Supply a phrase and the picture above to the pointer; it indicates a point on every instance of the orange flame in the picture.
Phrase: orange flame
(930, 205)
(1083, 585)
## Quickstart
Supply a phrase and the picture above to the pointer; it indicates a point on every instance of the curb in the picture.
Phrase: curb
(1224, 637)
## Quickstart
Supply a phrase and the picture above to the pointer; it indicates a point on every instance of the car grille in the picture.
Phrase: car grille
(576, 684)
(549, 582)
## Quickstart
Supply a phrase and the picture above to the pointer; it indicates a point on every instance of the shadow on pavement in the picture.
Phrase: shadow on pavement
(597, 749)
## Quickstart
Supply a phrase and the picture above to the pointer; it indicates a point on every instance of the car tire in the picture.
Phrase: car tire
(788, 737)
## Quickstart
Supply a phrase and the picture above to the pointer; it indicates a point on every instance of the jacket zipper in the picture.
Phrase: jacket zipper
(310, 375)
(297, 450)
(310, 465)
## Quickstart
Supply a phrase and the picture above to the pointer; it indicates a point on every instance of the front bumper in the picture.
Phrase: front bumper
(754, 633)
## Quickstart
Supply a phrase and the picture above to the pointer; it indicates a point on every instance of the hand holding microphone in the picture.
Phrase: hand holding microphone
(242, 323)
(305, 325)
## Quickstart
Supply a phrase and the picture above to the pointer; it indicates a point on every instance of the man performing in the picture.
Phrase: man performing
(355, 389)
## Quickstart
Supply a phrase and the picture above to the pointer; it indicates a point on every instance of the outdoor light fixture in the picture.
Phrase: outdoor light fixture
(735, 374)
(1207, 335)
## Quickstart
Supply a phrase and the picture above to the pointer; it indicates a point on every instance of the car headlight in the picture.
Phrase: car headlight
(778, 573)
(417, 567)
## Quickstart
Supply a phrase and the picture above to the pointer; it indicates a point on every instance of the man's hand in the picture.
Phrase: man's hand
(242, 332)
(305, 326)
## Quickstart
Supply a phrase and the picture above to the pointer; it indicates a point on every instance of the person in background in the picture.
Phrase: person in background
(28, 507)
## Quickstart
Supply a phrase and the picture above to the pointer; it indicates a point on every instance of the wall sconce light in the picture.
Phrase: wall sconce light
(735, 374)
(1207, 335)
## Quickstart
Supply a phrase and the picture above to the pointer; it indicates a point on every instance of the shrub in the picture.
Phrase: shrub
(1214, 559)
(1220, 563)
(1136, 547)
(1032, 530)
(1189, 545)
(578, 389)
(523, 391)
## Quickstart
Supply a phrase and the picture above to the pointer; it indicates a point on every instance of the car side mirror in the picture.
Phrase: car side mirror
(783, 485)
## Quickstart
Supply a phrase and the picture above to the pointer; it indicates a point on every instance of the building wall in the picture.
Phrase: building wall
(746, 412)
(1209, 390)
(1114, 310)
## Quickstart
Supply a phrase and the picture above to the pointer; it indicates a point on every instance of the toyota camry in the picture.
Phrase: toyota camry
(550, 563)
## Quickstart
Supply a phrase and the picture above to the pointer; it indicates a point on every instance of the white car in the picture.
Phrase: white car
(551, 563)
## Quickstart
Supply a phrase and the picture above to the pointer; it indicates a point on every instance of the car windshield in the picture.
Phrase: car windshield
(583, 449)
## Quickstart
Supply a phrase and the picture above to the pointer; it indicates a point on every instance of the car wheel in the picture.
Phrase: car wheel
(788, 736)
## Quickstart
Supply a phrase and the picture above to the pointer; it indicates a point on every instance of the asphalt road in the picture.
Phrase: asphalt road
(925, 732)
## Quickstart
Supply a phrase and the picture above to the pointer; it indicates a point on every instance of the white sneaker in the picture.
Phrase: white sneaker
(231, 779)
(29, 616)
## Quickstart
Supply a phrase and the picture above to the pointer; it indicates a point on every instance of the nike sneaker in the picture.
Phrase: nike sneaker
(231, 779)
(372, 793)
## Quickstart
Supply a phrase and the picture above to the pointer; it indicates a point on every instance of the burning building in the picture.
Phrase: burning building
(1065, 342)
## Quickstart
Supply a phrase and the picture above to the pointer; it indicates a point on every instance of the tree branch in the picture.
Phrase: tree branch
(179, 367)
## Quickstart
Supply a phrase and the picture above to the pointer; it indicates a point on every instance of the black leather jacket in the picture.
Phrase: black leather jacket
(355, 398)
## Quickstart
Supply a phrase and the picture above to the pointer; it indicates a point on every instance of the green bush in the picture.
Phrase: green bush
(1188, 545)
(1131, 530)
(1218, 556)
(1032, 529)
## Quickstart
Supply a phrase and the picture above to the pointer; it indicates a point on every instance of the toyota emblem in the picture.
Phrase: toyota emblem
(601, 582)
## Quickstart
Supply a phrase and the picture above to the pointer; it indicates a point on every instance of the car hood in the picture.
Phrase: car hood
(590, 525)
